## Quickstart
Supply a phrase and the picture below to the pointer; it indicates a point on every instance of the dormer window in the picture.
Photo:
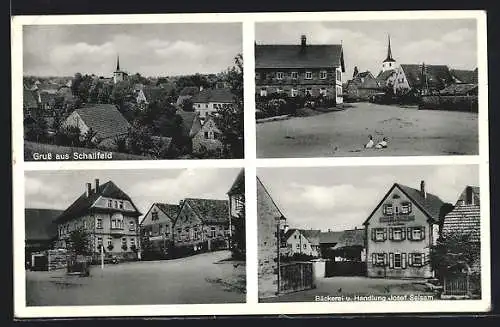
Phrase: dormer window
(279, 75)
(121, 204)
(295, 75)
(323, 74)
(110, 203)
(309, 75)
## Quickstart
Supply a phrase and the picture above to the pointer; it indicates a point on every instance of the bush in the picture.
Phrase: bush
(450, 102)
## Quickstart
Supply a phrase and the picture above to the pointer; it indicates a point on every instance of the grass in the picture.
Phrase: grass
(31, 148)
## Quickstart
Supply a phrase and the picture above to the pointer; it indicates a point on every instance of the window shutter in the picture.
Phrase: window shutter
(410, 259)
(385, 234)
(374, 258)
(422, 233)
(385, 259)
(391, 260)
(403, 233)
(408, 231)
(373, 234)
(391, 233)
(423, 259)
(403, 260)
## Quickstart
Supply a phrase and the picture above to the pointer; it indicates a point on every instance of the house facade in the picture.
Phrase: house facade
(208, 138)
(236, 195)
(400, 232)
(302, 242)
(209, 101)
(158, 225)
(202, 224)
(299, 70)
(363, 86)
(108, 215)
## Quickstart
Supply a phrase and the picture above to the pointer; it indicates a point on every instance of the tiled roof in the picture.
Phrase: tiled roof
(458, 89)
(170, 210)
(83, 203)
(213, 95)
(189, 90)
(464, 219)
(29, 99)
(47, 98)
(39, 224)
(330, 237)
(431, 203)
(383, 76)
(190, 121)
(464, 76)
(238, 186)
(351, 237)
(104, 119)
(262, 194)
(289, 233)
(312, 235)
(210, 211)
(437, 75)
(297, 56)
(153, 93)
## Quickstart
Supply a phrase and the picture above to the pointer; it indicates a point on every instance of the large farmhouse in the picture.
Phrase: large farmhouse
(299, 70)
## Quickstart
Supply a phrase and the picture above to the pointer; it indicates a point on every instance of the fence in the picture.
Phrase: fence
(450, 102)
(296, 276)
(456, 285)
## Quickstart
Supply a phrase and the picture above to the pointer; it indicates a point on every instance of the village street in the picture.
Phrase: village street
(202, 278)
(343, 133)
(352, 286)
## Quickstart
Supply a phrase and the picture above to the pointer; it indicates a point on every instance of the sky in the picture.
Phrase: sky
(59, 189)
(450, 42)
(339, 198)
(149, 49)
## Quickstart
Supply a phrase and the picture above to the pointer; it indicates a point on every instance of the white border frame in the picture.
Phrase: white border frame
(250, 163)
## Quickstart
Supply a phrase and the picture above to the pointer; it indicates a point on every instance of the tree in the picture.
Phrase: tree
(37, 131)
(355, 71)
(140, 139)
(187, 105)
(79, 242)
(230, 120)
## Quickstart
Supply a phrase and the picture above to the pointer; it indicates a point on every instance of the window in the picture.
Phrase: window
(154, 215)
(206, 135)
(132, 242)
(294, 92)
(397, 234)
(416, 259)
(397, 260)
(110, 241)
(110, 203)
(99, 241)
(322, 91)
(379, 234)
(295, 75)
(206, 105)
(116, 223)
(257, 75)
(338, 75)
(212, 231)
(298, 246)
(309, 91)
(160, 229)
(416, 233)
(124, 242)
(406, 208)
(99, 223)
(131, 225)
(309, 75)
(121, 204)
(388, 209)
(279, 75)
(295, 236)
(263, 92)
(322, 74)
(305, 246)
(379, 259)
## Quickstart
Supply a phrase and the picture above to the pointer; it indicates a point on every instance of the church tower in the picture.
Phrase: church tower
(118, 75)
(389, 63)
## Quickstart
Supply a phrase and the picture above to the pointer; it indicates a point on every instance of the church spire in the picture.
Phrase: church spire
(389, 51)
(117, 63)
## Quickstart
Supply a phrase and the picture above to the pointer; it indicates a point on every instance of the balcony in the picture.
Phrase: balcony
(117, 231)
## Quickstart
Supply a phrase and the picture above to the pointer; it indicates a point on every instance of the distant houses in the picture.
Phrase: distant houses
(209, 101)
(299, 70)
(208, 139)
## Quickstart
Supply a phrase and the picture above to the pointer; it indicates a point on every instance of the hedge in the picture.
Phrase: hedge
(450, 102)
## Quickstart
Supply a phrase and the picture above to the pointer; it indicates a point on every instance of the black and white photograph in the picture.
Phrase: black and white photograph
(131, 237)
(133, 91)
(366, 88)
(369, 234)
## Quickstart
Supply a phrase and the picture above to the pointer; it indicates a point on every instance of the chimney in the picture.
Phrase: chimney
(422, 189)
(88, 190)
(97, 185)
(303, 41)
(181, 202)
(468, 195)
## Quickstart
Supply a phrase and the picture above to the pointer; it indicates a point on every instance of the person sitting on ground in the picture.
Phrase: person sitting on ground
(370, 143)
(382, 144)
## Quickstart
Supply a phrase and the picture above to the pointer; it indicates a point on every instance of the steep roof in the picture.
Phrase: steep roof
(171, 210)
(190, 122)
(475, 193)
(261, 187)
(289, 233)
(463, 219)
(437, 75)
(29, 99)
(383, 76)
(464, 76)
(104, 119)
(209, 210)
(351, 237)
(329, 237)
(214, 95)
(238, 186)
(312, 235)
(153, 93)
(298, 56)
(39, 224)
(458, 89)
(83, 203)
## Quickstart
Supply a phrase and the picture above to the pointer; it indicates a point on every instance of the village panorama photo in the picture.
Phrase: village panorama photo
(366, 88)
(133, 91)
(135, 237)
(366, 234)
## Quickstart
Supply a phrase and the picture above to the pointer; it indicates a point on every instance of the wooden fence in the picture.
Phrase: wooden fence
(296, 276)
(456, 285)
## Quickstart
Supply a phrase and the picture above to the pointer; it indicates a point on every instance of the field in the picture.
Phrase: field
(411, 132)
(33, 150)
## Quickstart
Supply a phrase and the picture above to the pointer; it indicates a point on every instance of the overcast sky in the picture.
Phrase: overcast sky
(59, 189)
(443, 41)
(340, 198)
(149, 49)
